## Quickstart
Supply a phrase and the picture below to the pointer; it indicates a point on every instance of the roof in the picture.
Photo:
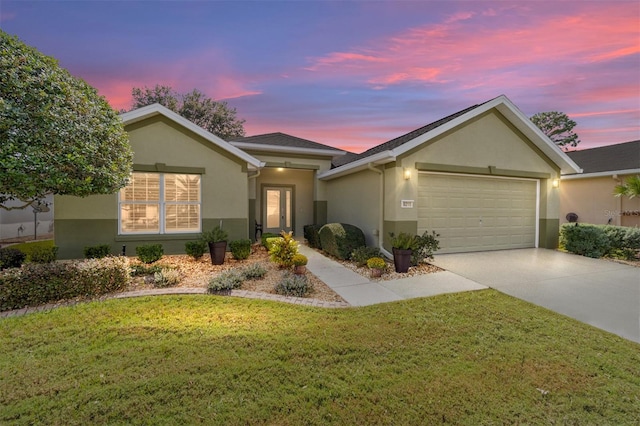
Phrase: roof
(157, 109)
(388, 151)
(400, 140)
(282, 142)
(611, 158)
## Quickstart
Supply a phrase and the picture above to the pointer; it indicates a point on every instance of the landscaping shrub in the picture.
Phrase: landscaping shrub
(240, 249)
(340, 239)
(226, 281)
(425, 245)
(195, 249)
(43, 254)
(166, 278)
(376, 263)
(585, 240)
(254, 271)
(264, 237)
(11, 258)
(364, 253)
(269, 242)
(139, 270)
(97, 252)
(293, 285)
(600, 240)
(283, 249)
(299, 259)
(312, 235)
(36, 284)
(149, 253)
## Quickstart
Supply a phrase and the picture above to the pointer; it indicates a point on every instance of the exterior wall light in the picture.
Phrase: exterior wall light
(407, 173)
(555, 183)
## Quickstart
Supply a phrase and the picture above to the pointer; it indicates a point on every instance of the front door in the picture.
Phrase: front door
(278, 209)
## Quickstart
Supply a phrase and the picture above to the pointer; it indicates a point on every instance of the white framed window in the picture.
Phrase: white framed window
(160, 203)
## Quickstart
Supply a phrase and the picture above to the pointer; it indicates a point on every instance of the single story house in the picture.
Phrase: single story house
(590, 194)
(483, 178)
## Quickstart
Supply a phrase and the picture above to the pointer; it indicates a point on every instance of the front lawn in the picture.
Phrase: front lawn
(469, 358)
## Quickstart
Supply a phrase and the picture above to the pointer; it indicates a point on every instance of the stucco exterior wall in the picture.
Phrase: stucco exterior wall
(355, 199)
(593, 201)
(159, 143)
(485, 145)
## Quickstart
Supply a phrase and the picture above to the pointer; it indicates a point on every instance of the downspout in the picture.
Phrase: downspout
(371, 167)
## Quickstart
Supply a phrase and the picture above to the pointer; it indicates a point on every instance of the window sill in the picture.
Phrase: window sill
(158, 237)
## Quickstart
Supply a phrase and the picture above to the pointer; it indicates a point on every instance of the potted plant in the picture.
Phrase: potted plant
(299, 264)
(403, 245)
(377, 266)
(217, 241)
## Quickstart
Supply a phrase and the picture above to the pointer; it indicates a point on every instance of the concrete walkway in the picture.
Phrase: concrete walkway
(360, 291)
(602, 293)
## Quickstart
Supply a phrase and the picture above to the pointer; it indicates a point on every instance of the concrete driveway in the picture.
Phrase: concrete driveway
(602, 293)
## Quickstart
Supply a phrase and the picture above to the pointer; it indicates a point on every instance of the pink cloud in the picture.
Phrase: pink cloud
(466, 48)
(205, 71)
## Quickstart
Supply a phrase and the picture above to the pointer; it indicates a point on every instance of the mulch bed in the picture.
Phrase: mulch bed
(197, 273)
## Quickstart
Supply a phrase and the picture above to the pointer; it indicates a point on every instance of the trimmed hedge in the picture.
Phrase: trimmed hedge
(341, 239)
(265, 237)
(11, 258)
(599, 240)
(195, 249)
(149, 253)
(40, 283)
(97, 252)
(312, 235)
(240, 249)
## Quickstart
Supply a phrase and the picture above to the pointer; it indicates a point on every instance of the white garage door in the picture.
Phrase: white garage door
(478, 213)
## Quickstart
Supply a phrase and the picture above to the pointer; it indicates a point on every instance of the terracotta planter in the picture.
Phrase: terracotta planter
(299, 269)
(376, 272)
(218, 251)
(401, 259)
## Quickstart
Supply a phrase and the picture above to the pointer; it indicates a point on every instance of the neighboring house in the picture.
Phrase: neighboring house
(590, 194)
(25, 224)
(481, 178)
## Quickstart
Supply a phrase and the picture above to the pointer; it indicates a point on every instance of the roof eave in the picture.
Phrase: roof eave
(157, 109)
(288, 149)
(600, 174)
(380, 158)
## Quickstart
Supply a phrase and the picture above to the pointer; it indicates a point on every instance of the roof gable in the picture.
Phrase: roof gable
(610, 158)
(388, 151)
(281, 142)
(156, 109)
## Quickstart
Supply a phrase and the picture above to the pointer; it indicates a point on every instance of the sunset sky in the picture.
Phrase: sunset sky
(355, 74)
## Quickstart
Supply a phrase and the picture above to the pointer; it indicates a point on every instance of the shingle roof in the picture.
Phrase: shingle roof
(283, 140)
(610, 158)
(400, 140)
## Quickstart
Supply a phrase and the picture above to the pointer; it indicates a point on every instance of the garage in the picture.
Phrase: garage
(477, 213)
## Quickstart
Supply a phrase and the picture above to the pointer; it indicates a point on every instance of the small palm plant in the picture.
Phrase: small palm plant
(630, 188)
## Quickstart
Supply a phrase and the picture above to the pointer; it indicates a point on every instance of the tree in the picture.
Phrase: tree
(57, 135)
(216, 117)
(630, 188)
(558, 127)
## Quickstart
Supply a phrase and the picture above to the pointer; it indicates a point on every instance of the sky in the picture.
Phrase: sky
(354, 74)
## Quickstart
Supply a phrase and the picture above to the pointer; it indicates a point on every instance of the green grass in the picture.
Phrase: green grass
(471, 358)
(27, 248)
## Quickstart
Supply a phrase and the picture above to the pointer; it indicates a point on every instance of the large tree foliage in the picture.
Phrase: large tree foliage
(57, 135)
(216, 117)
(558, 127)
(630, 187)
